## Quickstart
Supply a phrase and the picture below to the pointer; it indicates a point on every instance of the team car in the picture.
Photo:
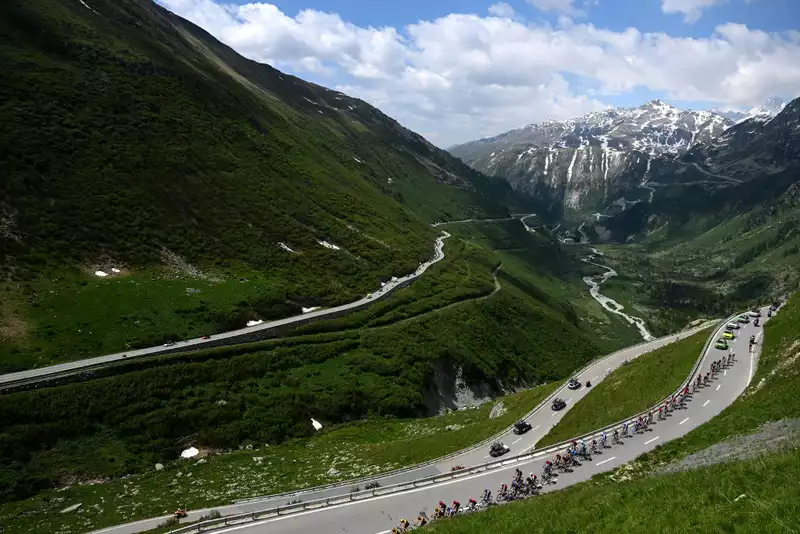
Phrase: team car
(558, 404)
(727, 334)
(521, 426)
(721, 344)
(573, 384)
(498, 448)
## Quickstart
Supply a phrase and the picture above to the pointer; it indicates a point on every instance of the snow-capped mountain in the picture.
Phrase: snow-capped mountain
(771, 107)
(580, 162)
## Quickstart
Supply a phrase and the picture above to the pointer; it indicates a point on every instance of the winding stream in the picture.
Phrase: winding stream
(594, 283)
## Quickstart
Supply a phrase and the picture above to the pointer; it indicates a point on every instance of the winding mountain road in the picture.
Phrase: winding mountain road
(66, 369)
(380, 514)
(541, 420)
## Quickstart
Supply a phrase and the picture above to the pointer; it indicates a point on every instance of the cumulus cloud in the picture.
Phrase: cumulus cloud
(692, 9)
(557, 6)
(502, 9)
(464, 76)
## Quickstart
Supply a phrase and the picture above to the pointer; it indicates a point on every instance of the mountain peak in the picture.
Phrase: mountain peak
(768, 109)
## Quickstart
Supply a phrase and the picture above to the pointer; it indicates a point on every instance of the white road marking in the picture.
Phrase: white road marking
(604, 461)
(709, 400)
(651, 441)
(594, 378)
(683, 421)
(485, 457)
(570, 400)
(537, 426)
(725, 372)
(719, 386)
(515, 442)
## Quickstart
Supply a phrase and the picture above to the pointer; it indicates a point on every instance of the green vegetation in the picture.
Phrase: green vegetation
(133, 139)
(720, 498)
(354, 450)
(376, 363)
(774, 393)
(761, 495)
(630, 389)
(704, 254)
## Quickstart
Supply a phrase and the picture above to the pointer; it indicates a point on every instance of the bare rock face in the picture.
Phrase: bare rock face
(497, 410)
(579, 163)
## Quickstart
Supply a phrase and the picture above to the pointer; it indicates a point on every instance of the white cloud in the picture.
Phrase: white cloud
(557, 6)
(503, 10)
(692, 9)
(465, 76)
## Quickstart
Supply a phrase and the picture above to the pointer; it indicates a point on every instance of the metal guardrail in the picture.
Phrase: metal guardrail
(289, 509)
(545, 401)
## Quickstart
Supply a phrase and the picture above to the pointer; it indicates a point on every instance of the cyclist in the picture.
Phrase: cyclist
(487, 495)
(517, 475)
(442, 505)
(603, 439)
(437, 513)
(404, 524)
(421, 521)
(534, 482)
(661, 412)
(456, 507)
(472, 505)
(616, 438)
(625, 429)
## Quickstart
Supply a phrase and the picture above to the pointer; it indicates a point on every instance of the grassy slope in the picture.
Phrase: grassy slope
(704, 262)
(132, 133)
(631, 389)
(720, 498)
(705, 500)
(379, 362)
(773, 394)
(355, 449)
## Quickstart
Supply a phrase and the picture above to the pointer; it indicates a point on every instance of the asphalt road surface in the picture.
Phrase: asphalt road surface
(541, 421)
(380, 514)
(63, 369)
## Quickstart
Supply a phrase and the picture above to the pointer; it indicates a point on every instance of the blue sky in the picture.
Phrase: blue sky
(646, 15)
(463, 69)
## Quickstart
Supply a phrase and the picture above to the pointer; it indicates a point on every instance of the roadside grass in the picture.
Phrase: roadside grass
(353, 450)
(758, 495)
(773, 394)
(630, 389)
(82, 316)
(146, 412)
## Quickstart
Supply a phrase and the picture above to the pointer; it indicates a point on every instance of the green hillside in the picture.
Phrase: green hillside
(538, 324)
(132, 139)
(756, 492)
